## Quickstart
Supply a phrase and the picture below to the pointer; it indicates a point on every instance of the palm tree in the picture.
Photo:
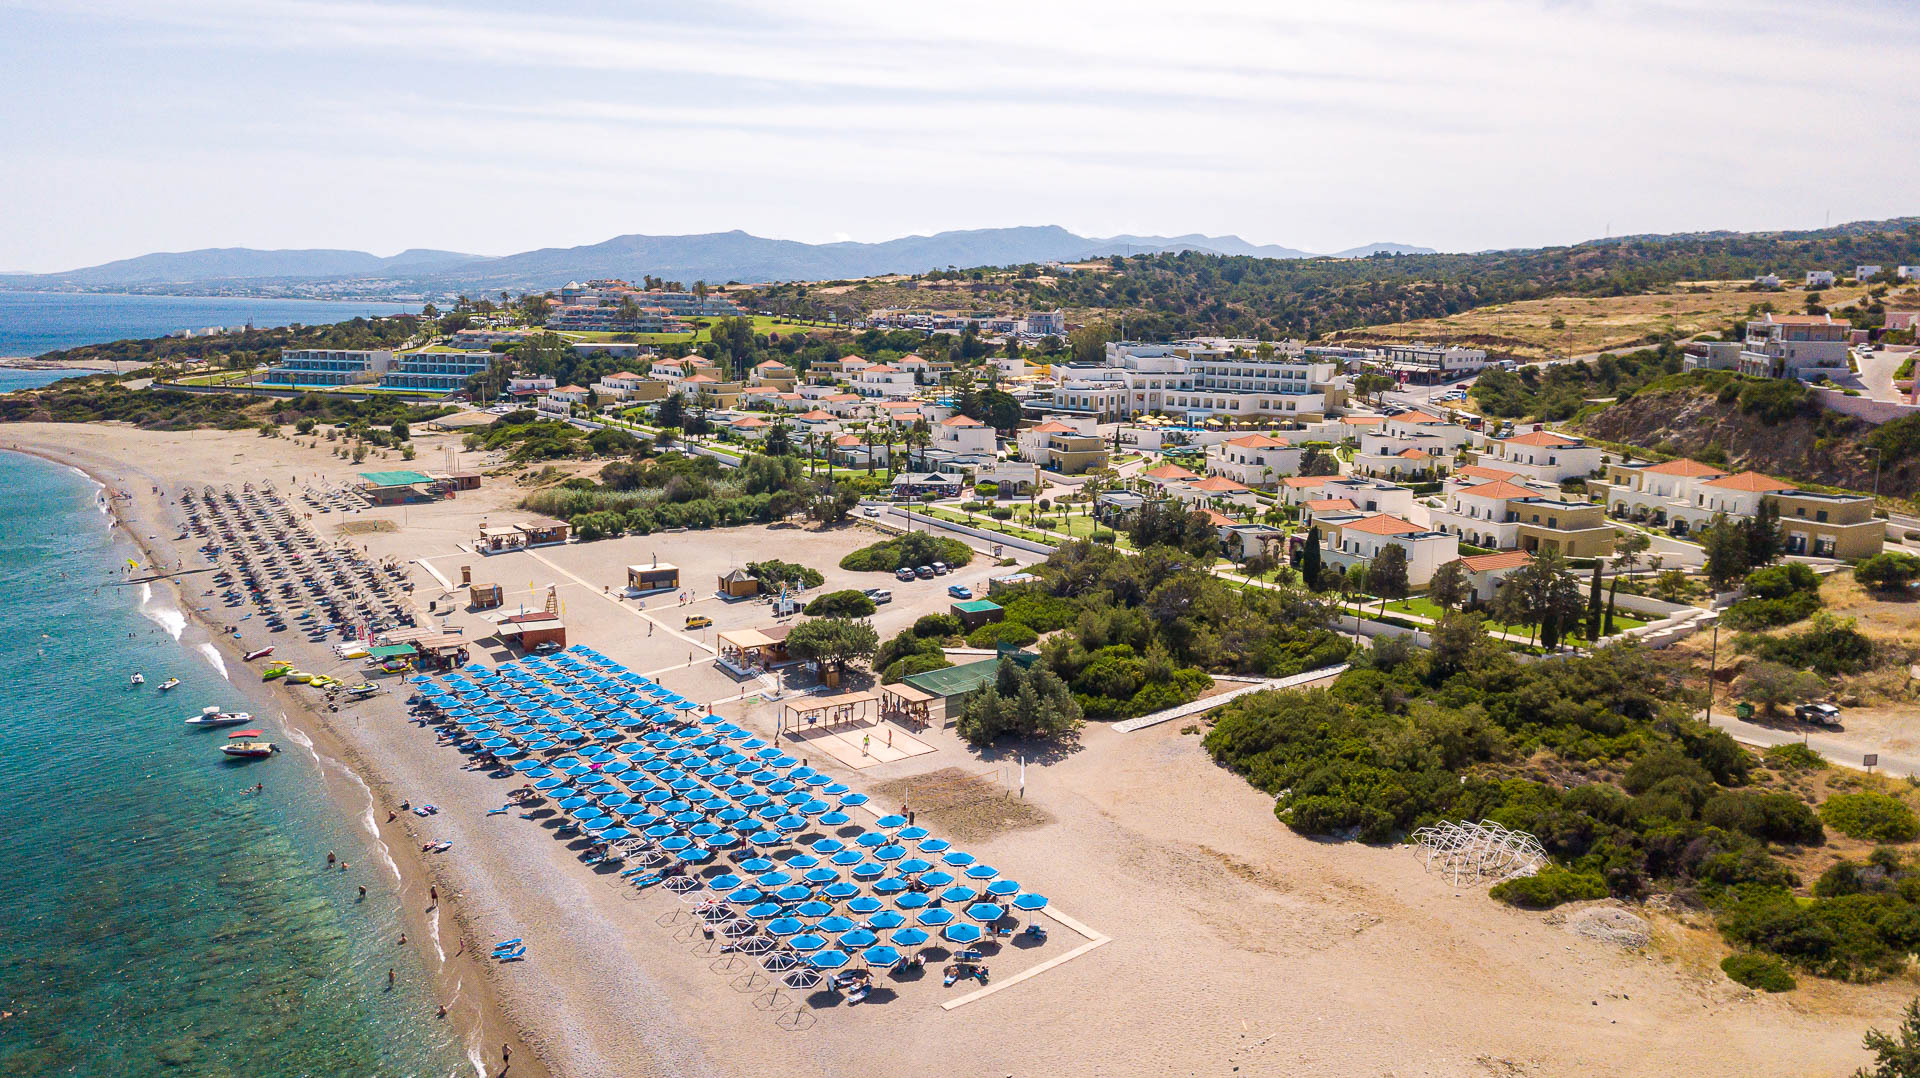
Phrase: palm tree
(812, 440)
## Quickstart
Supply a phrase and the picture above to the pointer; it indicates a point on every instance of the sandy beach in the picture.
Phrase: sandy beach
(1217, 941)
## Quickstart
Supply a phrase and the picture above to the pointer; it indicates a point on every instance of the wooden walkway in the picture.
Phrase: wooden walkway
(1202, 706)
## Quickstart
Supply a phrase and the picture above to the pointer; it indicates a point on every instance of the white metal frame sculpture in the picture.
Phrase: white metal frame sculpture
(1479, 852)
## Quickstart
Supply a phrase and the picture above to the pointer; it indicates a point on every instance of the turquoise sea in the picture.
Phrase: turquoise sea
(36, 322)
(159, 919)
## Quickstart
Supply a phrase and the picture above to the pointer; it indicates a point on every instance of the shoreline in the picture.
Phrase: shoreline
(460, 976)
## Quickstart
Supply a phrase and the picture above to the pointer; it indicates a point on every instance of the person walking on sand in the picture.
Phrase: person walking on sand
(433, 897)
(866, 742)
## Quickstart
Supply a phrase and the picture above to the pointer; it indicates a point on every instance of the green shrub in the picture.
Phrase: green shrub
(1872, 816)
(907, 551)
(1829, 646)
(1775, 817)
(1892, 570)
(937, 625)
(840, 604)
(904, 668)
(993, 634)
(774, 572)
(1794, 756)
(1761, 971)
(1548, 888)
(1772, 613)
(1039, 611)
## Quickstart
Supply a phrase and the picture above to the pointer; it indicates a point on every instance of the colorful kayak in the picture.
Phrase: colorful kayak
(260, 654)
(276, 670)
(299, 677)
(238, 734)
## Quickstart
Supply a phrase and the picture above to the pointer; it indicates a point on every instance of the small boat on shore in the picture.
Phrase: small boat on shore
(299, 677)
(248, 734)
(363, 690)
(169, 683)
(213, 716)
(250, 750)
(273, 671)
(260, 654)
(137, 679)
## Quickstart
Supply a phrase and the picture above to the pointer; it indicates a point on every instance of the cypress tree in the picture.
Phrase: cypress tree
(1310, 560)
(1613, 591)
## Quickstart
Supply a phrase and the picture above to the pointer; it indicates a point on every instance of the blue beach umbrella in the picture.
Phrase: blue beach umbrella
(870, 840)
(981, 872)
(835, 819)
(725, 882)
(853, 800)
(935, 918)
(986, 911)
(890, 853)
(864, 905)
(757, 864)
(934, 845)
(913, 866)
(912, 900)
(909, 937)
(890, 823)
(806, 941)
(880, 955)
(813, 910)
(1030, 902)
(828, 959)
(869, 870)
(763, 911)
(937, 879)
(772, 878)
(1003, 888)
(821, 876)
(911, 834)
(963, 933)
(802, 862)
(785, 926)
(958, 893)
(826, 846)
(886, 919)
(847, 858)
(888, 885)
(840, 892)
(745, 896)
(957, 858)
(835, 925)
(793, 892)
(858, 938)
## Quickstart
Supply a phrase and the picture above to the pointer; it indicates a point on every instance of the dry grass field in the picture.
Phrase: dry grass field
(1526, 330)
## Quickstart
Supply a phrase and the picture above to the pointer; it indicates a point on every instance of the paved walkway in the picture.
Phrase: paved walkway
(1837, 748)
(1206, 704)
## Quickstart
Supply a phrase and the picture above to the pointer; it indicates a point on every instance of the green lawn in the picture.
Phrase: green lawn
(1421, 606)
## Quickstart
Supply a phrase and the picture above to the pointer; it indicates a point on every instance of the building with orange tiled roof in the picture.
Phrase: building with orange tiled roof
(1486, 572)
(1254, 460)
(964, 436)
(1682, 496)
(1504, 515)
(1349, 539)
(1543, 455)
(1795, 346)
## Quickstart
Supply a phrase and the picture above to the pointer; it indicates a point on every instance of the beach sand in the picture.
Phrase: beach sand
(1232, 944)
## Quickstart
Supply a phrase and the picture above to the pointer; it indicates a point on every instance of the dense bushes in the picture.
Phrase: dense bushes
(1856, 937)
(1872, 816)
(996, 634)
(1764, 972)
(1794, 756)
(1892, 570)
(1776, 595)
(1775, 817)
(906, 552)
(1548, 888)
(773, 573)
(1030, 702)
(1828, 645)
(840, 604)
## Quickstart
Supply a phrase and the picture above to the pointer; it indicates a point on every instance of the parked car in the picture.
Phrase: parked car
(924, 572)
(960, 591)
(939, 568)
(903, 574)
(698, 621)
(879, 595)
(870, 510)
(1818, 714)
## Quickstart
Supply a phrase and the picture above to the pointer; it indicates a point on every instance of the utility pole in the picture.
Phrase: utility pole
(1713, 664)
(1875, 450)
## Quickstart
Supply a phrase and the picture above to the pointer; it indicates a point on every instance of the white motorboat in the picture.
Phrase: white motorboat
(138, 679)
(213, 716)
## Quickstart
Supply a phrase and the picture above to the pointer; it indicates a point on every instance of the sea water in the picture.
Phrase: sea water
(158, 918)
(36, 322)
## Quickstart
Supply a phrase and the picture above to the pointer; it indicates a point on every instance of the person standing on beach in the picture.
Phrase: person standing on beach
(433, 897)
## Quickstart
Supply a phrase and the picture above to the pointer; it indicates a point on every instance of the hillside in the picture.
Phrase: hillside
(1581, 325)
(713, 256)
(1705, 417)
(1180, 294)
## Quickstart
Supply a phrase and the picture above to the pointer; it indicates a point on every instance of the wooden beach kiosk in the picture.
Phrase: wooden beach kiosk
(485, 596)
(738, 584)
(656, 577)
(902, 703)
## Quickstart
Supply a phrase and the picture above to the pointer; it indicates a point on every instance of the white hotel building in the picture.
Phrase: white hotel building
(1202, 379)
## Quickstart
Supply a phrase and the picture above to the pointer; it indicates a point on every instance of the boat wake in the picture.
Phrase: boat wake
(163, 613)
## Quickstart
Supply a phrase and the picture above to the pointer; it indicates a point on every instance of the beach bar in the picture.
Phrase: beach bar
(400, 488)
(529, 631)
(747, 652)
(811, 712)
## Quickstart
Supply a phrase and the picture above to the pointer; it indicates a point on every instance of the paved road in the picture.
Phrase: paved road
(1876, 373)
(1834, 745)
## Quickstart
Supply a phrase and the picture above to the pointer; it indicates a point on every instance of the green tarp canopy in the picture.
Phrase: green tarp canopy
(396, 479)
(977, 606)
(391, 651)
(954, 680)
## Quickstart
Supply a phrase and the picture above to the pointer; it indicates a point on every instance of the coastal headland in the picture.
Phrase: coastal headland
(1233, 943)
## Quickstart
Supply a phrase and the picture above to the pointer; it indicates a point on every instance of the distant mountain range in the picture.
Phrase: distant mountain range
(715, 257)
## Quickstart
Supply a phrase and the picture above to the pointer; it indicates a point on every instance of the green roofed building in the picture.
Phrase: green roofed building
(391, 651)
(394, 488)
(974, 613)
(956, 680)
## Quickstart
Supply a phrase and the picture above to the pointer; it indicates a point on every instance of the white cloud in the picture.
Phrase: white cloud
(1466, 124)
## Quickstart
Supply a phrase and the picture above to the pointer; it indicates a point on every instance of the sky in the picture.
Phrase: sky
(489, 127)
